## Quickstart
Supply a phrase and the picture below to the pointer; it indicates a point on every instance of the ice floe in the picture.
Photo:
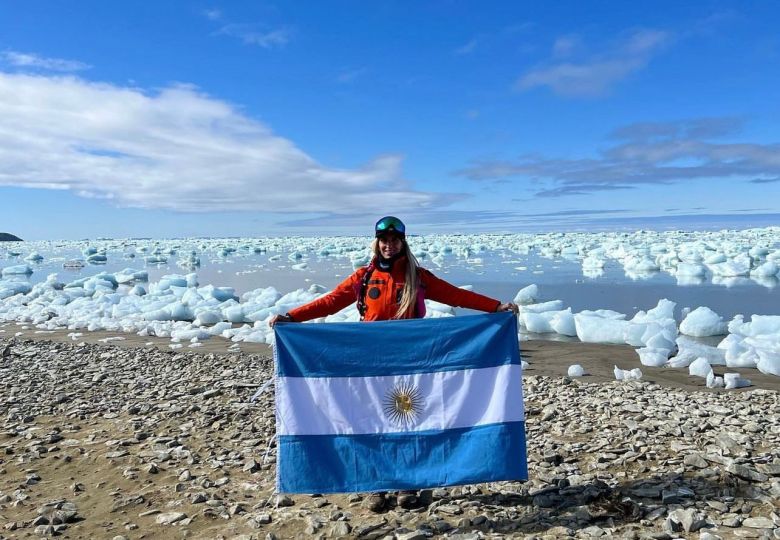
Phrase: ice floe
(179, 307)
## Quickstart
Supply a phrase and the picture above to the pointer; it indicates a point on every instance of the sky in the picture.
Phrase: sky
(178, 119)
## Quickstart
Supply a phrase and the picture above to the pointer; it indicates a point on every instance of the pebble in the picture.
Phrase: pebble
(169, 518)
(630, 460)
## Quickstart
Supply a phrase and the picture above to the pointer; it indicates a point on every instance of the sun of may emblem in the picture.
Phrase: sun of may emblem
(403, 403)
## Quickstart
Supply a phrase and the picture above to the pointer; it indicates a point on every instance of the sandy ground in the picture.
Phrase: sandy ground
(117, 412)
(551, 358)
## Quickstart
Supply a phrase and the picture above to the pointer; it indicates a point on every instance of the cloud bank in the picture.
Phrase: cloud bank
(595, 74)
(31, 60)
(175, 149)
(646, 153)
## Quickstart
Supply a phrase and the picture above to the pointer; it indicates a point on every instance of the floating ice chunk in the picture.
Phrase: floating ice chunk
(137, 290)
(563, 323)
(690, 270)
(640, 265)
(628, 375)
(660, 340)
(700, 367)
(592, 262)
(768, 269)
(300, 266)
(649, 356)
(714, 382)
(690, 350)
(34, 257)
(738, 353)
(220, 294)
(538, 323)
(603, 313)
(769, 359)
(593, 329)
(758, 325)
(738, 266)
(733, 380)
(716, 258)
(576, 370)
(128, 275)
(360, 260)
(18, 270)
(435, 309)
(553, 305)
(702, 322)
(527, 295)
(207, 317)
(97, 258)
(663, 311)
(12, 288)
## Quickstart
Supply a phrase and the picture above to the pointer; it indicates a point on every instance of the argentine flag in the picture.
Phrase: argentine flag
(397, 405)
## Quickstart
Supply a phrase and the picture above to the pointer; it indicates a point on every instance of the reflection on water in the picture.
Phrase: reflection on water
(637, 276)
(593, 273)
(689, 281)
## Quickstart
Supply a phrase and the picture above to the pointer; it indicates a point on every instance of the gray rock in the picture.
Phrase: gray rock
(340, 528)
(413, 535)
(676, 495)
(760, 522)
(695, 460)
(168, 518)
(746, 473)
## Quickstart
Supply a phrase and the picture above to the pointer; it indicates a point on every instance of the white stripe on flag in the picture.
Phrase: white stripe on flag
(357, 405)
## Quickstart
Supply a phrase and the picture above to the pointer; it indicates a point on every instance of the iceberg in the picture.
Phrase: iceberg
(18, 270)
(700, 368)
(649, 356)
(733, 380)
(702, 322)
(576, 370)
(527, 295)
(627, 375)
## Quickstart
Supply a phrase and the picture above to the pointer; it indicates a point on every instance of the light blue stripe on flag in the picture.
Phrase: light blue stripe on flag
(396, 347)
(399, 404)
(391, 461)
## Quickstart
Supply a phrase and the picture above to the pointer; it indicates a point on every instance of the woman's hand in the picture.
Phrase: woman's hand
(279, 318)
(509, 306)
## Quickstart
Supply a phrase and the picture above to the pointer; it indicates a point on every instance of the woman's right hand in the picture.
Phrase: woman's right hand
(279, 318)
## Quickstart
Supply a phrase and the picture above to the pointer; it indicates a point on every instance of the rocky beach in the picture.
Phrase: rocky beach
(106, 441)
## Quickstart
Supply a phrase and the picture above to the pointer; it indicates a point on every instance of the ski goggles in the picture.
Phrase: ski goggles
(390, 224)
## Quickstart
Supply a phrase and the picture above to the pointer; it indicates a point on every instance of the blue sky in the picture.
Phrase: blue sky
(225, 119)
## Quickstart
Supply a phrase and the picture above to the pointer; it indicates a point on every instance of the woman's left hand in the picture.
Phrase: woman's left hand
(509, 306)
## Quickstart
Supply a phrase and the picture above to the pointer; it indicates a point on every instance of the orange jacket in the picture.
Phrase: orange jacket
(384, 292)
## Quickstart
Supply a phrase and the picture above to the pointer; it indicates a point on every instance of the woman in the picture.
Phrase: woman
(392, 286)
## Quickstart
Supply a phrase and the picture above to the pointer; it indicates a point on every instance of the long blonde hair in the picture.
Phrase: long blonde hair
(409, 295)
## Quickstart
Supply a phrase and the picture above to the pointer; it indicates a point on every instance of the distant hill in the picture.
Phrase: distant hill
(6, 237)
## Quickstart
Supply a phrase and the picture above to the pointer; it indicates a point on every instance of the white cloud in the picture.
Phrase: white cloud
(31, 60)
(565, 46)
(251, 36)
(467, 48)
(174, 149)
(594, 76)
(646, 153)
(349, 75)
(213, 14)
